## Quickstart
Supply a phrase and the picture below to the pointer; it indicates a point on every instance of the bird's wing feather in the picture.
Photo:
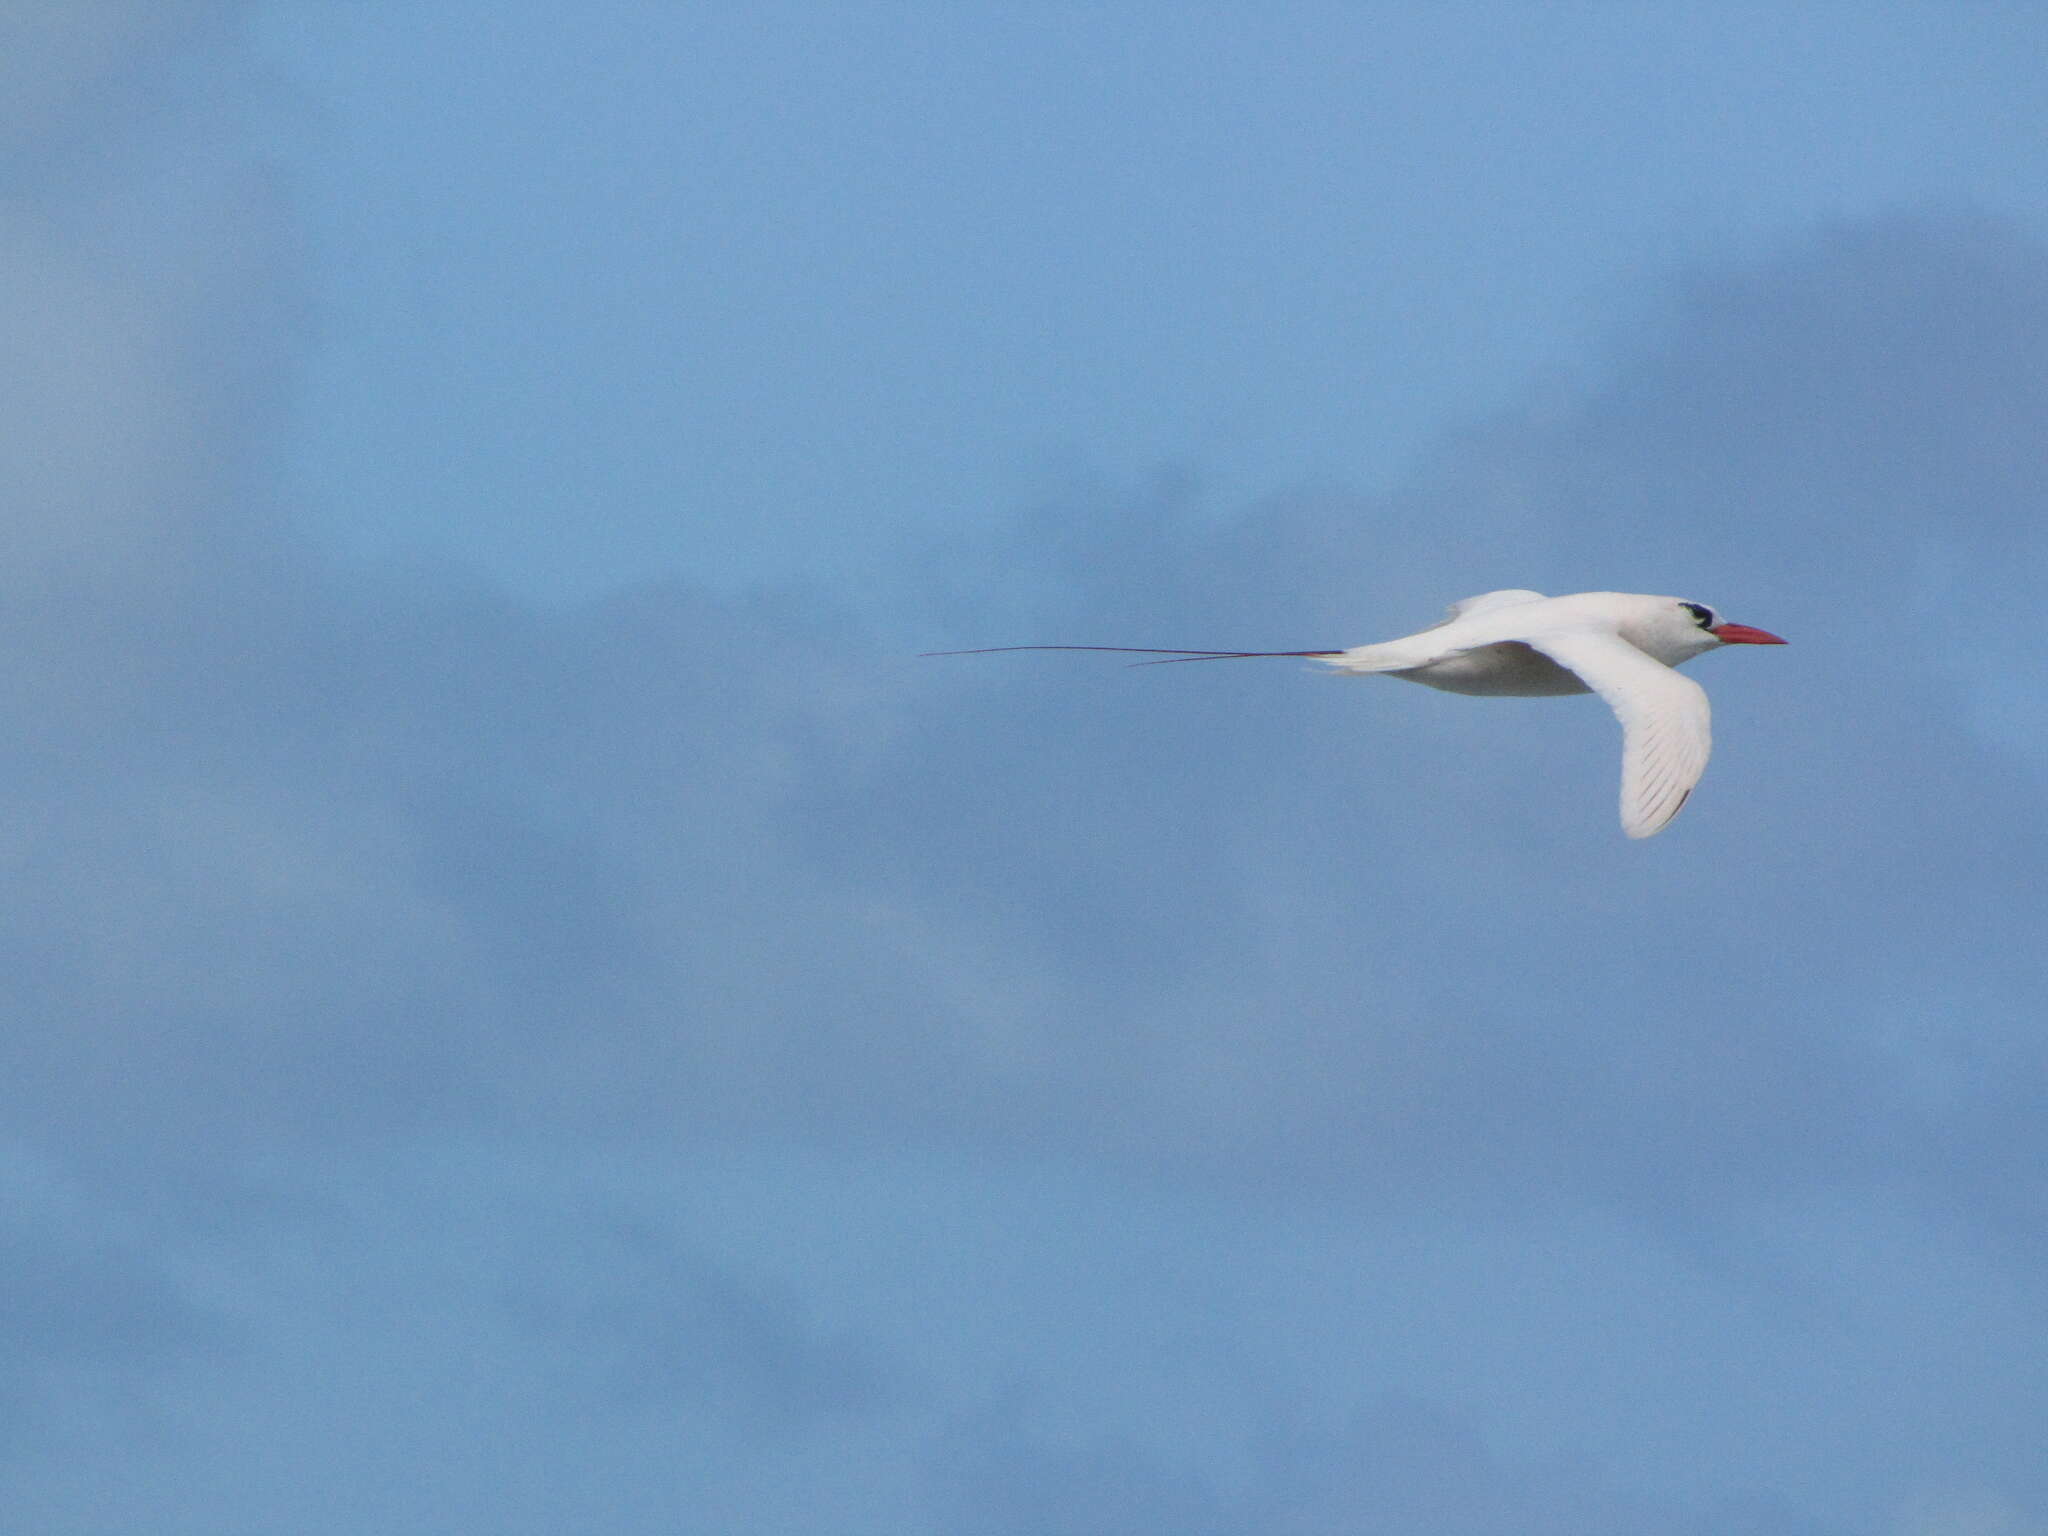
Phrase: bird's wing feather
(1507, 597)
(1665, 721)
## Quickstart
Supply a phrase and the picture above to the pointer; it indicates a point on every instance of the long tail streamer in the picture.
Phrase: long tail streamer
(1166, 656)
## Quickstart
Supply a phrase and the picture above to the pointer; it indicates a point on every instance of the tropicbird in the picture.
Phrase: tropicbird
(1620, 645)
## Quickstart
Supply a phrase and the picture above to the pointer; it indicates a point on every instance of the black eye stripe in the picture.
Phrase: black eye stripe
(1700, 612)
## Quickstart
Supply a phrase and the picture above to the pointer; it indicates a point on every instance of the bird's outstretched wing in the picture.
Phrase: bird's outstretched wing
(1665, 721)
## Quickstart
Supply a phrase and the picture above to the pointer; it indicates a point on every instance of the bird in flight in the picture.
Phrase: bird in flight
(1620, 645)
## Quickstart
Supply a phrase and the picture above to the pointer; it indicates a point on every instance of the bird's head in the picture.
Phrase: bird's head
(1710, 624)
(1674, 630)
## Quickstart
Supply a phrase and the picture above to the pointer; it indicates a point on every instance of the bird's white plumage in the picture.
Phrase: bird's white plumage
(1620, 645)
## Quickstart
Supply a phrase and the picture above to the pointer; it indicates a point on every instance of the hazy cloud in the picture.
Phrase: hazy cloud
(315, 872)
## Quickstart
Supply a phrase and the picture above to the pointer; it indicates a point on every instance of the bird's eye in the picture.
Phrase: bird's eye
(1702, 614)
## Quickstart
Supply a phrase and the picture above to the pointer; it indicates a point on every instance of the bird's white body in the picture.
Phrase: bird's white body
(1620, 645)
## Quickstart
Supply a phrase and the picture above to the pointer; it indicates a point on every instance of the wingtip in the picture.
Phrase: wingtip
(1640, 826)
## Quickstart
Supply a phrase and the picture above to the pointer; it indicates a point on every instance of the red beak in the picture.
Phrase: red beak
(1742, 634)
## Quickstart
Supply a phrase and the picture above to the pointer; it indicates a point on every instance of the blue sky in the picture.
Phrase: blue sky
(752, 290)
(534, 1010)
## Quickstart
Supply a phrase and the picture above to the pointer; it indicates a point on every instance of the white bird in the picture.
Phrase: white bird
(1620, 645)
